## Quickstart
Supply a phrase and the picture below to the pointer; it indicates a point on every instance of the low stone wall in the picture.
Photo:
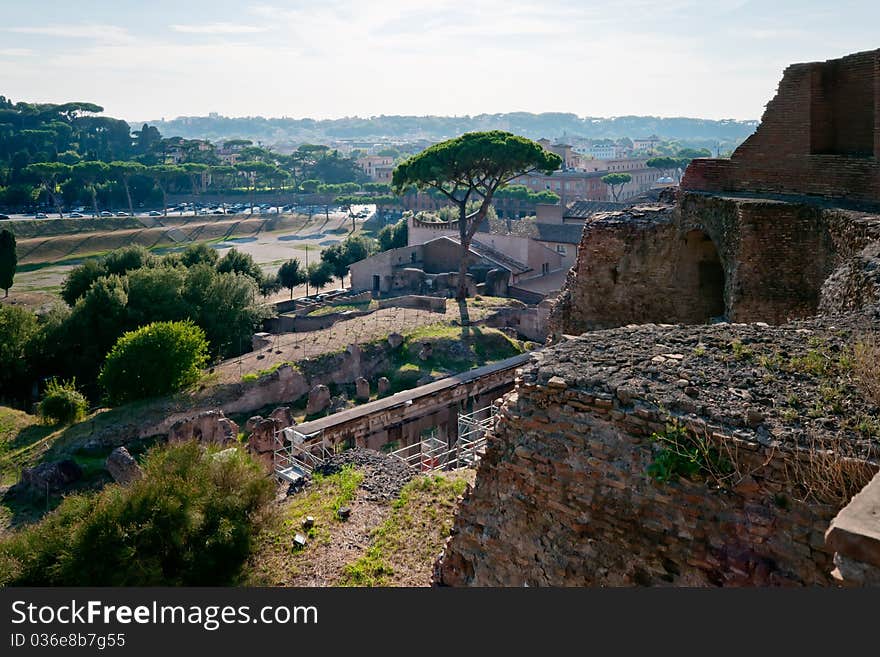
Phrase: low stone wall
(436, 304)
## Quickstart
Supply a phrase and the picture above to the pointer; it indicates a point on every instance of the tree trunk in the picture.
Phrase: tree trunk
(54, 197)
(94, 199)
(128, 196)
(465, 247)
(164, 201)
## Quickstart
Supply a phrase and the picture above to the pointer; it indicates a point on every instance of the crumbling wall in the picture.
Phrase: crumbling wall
(707, 256)
(820, 135)
(563, 496)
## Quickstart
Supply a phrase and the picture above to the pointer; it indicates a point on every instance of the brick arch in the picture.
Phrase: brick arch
(700, 268)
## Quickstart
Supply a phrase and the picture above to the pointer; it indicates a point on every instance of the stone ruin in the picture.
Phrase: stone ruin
(719, 319)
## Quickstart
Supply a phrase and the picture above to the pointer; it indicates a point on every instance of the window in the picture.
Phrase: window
(545, 268)
(560, 249)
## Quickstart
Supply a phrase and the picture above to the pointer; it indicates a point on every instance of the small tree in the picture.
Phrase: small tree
(319, 275)
(472, 167)
(240, 262)
(163, 175)
(80, 279)
(154, 360)
(91, 173)
(393, 236)
(615, 182)
(197, 254)
(291, 274)
(62, 403)
(123, 171)
(8, 260)
(49, 174)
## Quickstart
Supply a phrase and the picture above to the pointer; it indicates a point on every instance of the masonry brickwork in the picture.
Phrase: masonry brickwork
(706, 256)
(563, 496)
(819, 136)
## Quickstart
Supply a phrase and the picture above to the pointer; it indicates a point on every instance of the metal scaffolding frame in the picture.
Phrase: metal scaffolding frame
(296, 455)
(431, 454)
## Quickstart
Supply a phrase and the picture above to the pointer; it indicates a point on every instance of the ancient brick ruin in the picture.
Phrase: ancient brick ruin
(819, 136)
(650, 339)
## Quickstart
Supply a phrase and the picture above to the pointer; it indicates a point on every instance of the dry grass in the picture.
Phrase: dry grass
(828, 471)
(405, 546)
(866, 366)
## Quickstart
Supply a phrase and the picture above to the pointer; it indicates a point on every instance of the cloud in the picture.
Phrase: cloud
(91, 31)
(218, 28)
(16, 52)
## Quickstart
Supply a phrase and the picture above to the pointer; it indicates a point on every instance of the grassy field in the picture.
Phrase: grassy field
(382, 543)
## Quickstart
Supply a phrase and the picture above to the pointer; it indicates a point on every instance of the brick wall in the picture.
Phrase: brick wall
(659, 264)
(562, 498)
(820, 135)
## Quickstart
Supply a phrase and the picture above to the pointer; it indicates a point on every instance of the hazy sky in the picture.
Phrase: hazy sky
(330, 58)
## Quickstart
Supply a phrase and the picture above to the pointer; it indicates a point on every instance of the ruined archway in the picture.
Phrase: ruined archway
(701, 274)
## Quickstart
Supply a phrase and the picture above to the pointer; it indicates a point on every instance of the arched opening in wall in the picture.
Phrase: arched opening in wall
(702, 267)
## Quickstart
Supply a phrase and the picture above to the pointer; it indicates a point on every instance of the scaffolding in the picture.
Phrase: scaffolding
(431, 453)
(296, 455)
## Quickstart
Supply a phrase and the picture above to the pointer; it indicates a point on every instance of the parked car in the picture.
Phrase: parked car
(106, 213)
(76, 215)
(154, 213)
(40, 215)
(4, 216)
(122, 214)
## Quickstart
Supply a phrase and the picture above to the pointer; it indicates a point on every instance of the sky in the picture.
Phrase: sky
(147, 60)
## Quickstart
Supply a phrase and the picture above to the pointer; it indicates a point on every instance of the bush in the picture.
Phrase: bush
(154, 360)
(190, 521)
(62, 403)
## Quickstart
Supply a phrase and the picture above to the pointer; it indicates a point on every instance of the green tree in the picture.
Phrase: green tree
(154, 360)
(393, 236)
(615, 182)
(319, 274)
(291, 274)
(123, 171)
(62, 403)
(667, 165)
(155, 294)
(80, 279)
(91, 174)
(18, 327)
(472, 167)
(163, 175)
(196, 254)
(195, 171)
(50, 174)
(120, 261)
(8, 260)
(254, 170)
(240, 262)
(224, 305)
(192, 520)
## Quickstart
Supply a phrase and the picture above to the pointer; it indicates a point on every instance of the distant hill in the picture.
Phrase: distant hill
(410, 128)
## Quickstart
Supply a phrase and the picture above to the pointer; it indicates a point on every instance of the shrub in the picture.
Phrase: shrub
(190, 521)
(154, 360)
(62, 403)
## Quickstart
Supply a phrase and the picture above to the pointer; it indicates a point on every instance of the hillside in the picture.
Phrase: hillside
(550, 124)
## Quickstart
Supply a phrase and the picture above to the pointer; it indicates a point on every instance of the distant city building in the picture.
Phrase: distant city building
(377, 165)
(649, 144)
(605, 151)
